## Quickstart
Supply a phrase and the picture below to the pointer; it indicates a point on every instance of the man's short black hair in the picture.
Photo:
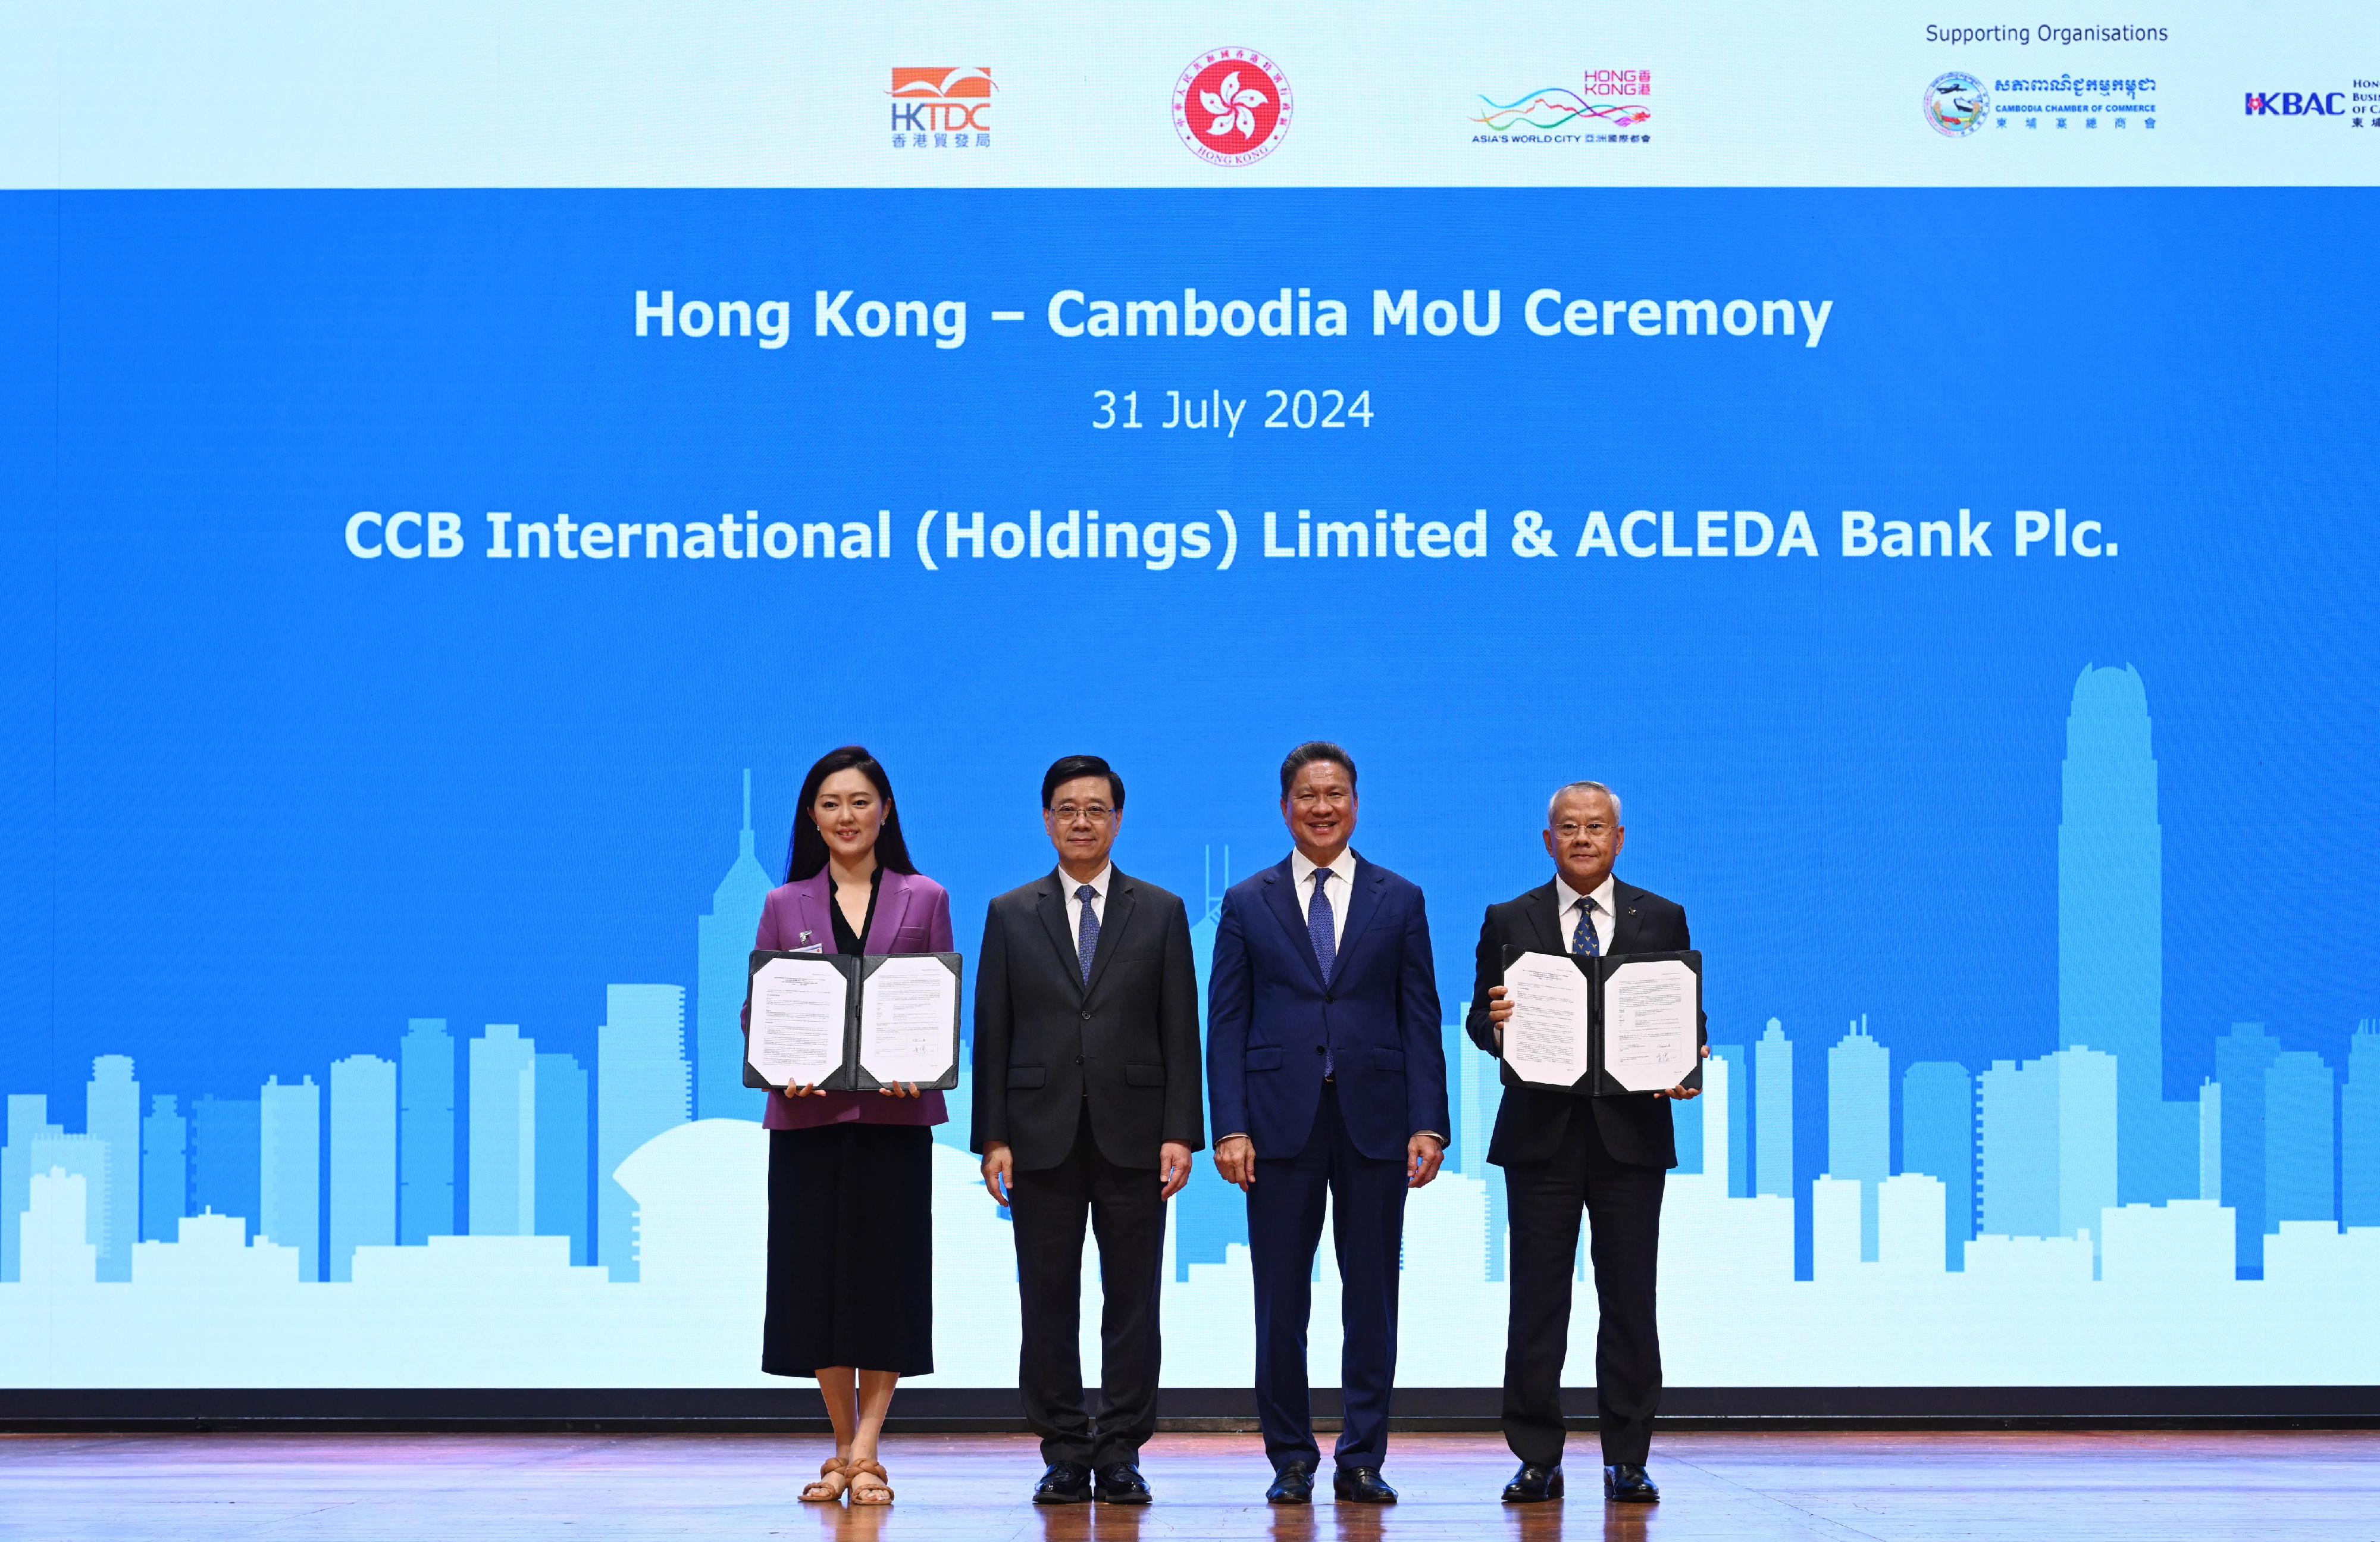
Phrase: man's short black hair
(1306, 754)
(1068, 767)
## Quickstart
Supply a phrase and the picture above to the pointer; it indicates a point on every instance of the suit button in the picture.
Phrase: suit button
(1087, 1017)
(1318, 1048)
(1078, 1060)
(1328, 1000)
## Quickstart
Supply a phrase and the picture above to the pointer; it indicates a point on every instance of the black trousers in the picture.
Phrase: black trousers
(1125, 1213)
(1623, 1203)
(1367, 1198)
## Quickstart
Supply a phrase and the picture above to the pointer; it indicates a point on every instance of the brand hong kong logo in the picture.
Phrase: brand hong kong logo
(1231, 107)
(942, 106)
(2296, 103)
(1955, 104)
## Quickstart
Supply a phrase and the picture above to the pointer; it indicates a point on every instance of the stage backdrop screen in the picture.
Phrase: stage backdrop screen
(459, 474)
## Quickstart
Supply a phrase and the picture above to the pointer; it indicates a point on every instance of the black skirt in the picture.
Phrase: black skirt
(851, 1250)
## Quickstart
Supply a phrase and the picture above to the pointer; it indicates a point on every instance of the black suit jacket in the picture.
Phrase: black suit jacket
(1530, 1122)
(1129, 1039)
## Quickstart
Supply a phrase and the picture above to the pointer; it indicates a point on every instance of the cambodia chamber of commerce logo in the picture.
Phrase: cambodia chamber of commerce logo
(941, 107)
(1955, 104)
(1231, 107)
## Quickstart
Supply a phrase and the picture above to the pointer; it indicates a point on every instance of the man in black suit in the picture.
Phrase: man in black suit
(1562, 1151)
(1087, 1105)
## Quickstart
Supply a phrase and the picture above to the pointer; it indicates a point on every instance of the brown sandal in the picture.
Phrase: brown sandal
(832, 1482)
(867, 1493)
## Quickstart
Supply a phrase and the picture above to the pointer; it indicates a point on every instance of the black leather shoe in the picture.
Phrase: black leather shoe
(1292, 1485)
(1534, 1485)
(1361, 1486)
(1121, 1483)
(1065, 1483)
(1629, 1485)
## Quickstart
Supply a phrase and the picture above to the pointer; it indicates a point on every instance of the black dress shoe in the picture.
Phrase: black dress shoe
(1534, 1485)
(1121, 1483)
(1361, 1486)
(1629, 1485)
(1065, 1483)
(1293, 1484)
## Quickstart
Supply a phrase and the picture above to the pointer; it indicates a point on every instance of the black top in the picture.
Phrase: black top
(846, 941)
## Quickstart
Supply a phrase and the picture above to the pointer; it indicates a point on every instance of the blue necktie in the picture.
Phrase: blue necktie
(1321, 932)
(1582, 940)
(1091, 929)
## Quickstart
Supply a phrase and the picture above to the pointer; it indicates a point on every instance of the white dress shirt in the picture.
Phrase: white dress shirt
(1068, 886)
(1599, 913)
(1302, 869)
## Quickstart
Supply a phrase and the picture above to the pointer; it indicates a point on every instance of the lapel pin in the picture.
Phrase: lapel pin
(806, 937)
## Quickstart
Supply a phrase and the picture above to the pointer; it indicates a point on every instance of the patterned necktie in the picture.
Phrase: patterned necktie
(1319, 930)
(1091, 929)
(1582, 940)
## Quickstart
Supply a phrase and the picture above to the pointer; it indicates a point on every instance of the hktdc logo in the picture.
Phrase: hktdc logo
(940, 105)
(1231, 107)
(2296, 103)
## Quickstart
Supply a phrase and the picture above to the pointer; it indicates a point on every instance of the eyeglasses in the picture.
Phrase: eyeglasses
(1068, 813)
(1571, 830)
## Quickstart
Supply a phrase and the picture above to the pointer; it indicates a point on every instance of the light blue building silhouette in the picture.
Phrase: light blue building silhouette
(29, 1121)
(1859, 1120)
(425, 1133)
(1739, 1118)
(564, 1162)
(2111, 928)
(84, 1156)
(2359, 1129)
(111, 1112)
(643, 1086)
(363, 1159)
(227, 1158)
(2298, 1140)
(1773, 1116)
(2241, 1058)
(290, 1202)
(503, 1147)
(1209, 1217)
(723, 955)
(2049, 1144)
(165, 1170)
(1938, 1137)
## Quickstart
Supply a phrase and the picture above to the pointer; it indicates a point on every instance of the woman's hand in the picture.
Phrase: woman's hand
(898, 1089)
(804, 1089)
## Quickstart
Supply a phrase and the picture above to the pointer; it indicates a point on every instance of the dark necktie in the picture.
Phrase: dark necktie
(1582, 941)
(1321, 932)
(1089, 944)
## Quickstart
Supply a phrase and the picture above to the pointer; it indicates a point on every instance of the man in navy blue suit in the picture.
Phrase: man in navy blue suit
(1326, 1076)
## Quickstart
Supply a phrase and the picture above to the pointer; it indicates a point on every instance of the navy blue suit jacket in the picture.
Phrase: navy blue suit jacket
(1269, 1017)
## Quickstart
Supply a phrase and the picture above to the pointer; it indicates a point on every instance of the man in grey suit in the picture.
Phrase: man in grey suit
(1086, 1107)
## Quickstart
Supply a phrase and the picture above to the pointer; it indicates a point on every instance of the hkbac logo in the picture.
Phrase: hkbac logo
(1231, 107)
(2296, 103)
(944, 106)
(1955, 104)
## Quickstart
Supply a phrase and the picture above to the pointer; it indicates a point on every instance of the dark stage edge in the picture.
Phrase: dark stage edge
(995, 1410)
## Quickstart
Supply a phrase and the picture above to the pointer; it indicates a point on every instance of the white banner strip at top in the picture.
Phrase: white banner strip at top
(739, 93)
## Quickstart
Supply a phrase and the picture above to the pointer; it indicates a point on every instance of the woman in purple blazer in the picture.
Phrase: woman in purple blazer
(851, 1221)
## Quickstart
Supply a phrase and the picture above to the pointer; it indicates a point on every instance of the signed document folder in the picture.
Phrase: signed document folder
(1600, 1027)
(853, 1025)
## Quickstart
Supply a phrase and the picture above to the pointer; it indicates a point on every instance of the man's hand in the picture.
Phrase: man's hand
(1681, 1093)
(1423, 1155)
(1500, 1012)
(1235, 1161)
(1172, 1168)
(999, 1170)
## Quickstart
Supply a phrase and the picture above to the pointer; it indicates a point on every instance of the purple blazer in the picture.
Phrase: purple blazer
(913, 916)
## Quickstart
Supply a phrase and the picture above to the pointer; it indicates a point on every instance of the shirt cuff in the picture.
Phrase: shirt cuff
(1235, 1135)
(1432, 1134)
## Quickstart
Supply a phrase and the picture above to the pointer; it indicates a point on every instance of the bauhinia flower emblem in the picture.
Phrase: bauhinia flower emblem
(1234, 104)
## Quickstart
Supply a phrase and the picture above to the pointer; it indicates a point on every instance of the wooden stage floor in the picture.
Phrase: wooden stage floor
(971, 1488)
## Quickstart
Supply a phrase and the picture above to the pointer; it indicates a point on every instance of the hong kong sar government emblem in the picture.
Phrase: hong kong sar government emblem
(1231, 107)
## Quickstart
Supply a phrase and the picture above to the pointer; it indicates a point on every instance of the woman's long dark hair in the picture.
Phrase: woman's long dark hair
(806, 856)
